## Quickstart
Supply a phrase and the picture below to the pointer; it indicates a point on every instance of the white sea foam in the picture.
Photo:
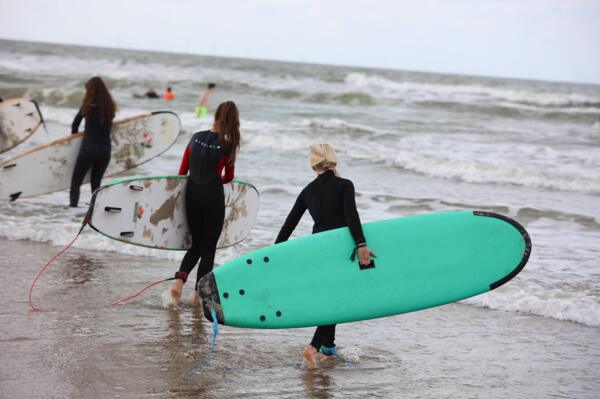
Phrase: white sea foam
(412, 143)
(464, 158)
(466, 92)
(555, 303)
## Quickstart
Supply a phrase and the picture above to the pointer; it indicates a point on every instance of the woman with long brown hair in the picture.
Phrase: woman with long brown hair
(210, 159)
(98, 109)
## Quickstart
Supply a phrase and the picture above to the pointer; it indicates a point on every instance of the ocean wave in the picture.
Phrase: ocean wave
(474, 171)
(63, 97)
(555, 303)
(471, 93)
(463, 158)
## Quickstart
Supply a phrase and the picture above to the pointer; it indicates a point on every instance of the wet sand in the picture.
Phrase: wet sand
(81, 347)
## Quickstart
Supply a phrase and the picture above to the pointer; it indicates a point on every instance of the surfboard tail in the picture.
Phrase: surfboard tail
(209, 294)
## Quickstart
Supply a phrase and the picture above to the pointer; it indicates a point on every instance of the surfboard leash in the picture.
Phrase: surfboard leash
(213, 343)
(140, 292)
(83, 224)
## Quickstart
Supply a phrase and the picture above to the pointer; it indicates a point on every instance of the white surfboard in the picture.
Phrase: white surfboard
(19, 119)
(49, 167)
(150, 212)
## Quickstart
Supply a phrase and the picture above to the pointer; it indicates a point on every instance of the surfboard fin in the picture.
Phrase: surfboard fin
(14, 196)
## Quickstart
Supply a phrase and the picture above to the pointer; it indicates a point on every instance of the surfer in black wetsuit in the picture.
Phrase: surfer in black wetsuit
(98, 109)
(330, 201)
(151, 93)
(207, 156)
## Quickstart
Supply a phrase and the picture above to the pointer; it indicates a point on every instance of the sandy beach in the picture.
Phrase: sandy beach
(81, 347)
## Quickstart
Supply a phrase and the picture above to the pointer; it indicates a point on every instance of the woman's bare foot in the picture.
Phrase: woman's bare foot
(310, 357)
(195, 299)
(176, 290)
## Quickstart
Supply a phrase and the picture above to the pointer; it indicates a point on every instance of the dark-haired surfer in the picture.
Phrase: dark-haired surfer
(207, 155)
(98, 109)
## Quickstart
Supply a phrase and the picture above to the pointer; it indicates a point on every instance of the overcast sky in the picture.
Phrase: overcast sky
(538, 39)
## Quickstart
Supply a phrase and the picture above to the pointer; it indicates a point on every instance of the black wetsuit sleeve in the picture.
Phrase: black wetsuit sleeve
(351, 214)
(292, 220)
(76, 122)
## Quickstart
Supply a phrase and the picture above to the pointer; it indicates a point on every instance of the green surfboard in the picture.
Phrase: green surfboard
(422, 261)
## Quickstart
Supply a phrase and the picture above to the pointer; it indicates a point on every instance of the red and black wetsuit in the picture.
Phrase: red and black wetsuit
(204, 200)
(94, 152)
(330, 201)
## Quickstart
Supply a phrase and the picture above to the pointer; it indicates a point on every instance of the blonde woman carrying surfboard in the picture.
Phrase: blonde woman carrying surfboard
(330, 200)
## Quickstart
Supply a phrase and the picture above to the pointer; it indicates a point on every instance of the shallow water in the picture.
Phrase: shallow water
(81, 347)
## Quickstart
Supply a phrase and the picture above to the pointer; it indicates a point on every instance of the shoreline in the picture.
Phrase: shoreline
(81, 347)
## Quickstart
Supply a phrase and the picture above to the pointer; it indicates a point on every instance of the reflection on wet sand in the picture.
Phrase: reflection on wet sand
(80, 268)
(317, 383)
(182, 348)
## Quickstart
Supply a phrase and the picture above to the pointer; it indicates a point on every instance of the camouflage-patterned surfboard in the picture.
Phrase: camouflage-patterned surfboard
(19, 119)
(49, 167)
(150, 212)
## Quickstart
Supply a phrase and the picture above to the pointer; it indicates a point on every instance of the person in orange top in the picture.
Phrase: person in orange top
(210, 158)
(169, 95)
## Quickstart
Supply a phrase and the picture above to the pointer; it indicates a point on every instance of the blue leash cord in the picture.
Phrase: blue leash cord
(332, 351)
(347, 363)
(206, 359)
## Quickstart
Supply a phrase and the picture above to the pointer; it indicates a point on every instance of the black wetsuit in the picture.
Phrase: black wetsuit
(330, 201)
(204, 203)
(94, 152)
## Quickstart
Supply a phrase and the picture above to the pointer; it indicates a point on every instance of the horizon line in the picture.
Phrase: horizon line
(429, 72)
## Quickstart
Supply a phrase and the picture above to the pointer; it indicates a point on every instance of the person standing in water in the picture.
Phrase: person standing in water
(202, 107)
(210, 159)
(98, 109)
(331, 203)
(169, 95)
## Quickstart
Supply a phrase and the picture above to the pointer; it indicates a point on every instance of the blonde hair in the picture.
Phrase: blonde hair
(322, 157)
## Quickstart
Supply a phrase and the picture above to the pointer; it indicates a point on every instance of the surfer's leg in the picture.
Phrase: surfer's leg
(98, 168)
(82, 165)
(310, 356)
(192, 255)
(212, 226)
(328, 346)
(322, 334)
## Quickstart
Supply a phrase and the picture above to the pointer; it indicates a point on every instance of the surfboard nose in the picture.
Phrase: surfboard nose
(209, 294)
(526, 248)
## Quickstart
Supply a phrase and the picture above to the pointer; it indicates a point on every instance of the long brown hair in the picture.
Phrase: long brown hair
(98, 96)
(227, 123)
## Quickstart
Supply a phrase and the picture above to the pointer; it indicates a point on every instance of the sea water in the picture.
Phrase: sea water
(411, 142)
